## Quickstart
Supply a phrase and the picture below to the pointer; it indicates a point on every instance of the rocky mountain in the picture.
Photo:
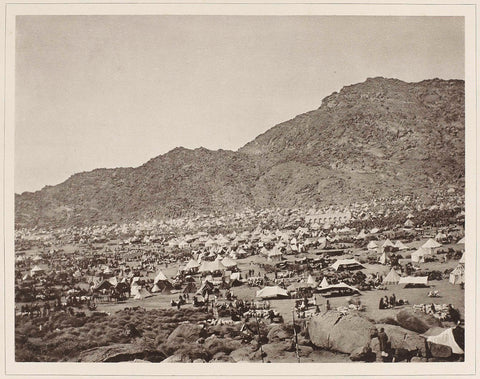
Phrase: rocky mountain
(379, 138)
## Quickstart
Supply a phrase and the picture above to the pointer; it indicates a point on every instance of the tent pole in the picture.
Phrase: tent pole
(295, 333)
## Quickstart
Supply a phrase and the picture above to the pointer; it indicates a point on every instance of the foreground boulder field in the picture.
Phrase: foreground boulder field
(326, 337)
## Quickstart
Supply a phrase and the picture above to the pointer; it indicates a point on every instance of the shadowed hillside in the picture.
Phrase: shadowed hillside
(379, 138)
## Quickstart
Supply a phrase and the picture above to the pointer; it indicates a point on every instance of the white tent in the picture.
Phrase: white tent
(372, 245)
(401, 246)
(192, 264)
(324, 282)
(160, 277)
(387, 243)
(311, 281)
(392, 277)
(457, 276)
(419, 255)
(462, 259)
(446, 338)
(339, 286)
(271, 292)
(423, 280)
(383, 258)
(347, 264)
(274, 254)
(212, 266)
(362, 235)
(36, 270)
(431, 245)
(228, 262)
(461, 242)
(142, 293)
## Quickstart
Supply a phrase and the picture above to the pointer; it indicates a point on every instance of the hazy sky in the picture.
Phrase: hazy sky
(111, 91)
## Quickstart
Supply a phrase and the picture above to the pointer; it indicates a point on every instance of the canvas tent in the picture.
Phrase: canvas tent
(431, 245)
(457, 276)
(142, 293)
(324, 282)
(192, 265)
(311, 281)
(392, 277)
(340, 288)
(229, 262)
(387, 243)
(212, 266)
(414, 280)
(347, 264)
(419, 255)
(272, 292)
(36, 270)
(400, 245)
(383, 258)
(461, 242)
(447, 338)
(160, 277)
(372, 245)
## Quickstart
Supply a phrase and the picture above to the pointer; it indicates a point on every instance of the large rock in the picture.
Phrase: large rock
(276, 349)
(363, 354)
(120, 353)
(416, 321)
(185, 333)
(216, 345)
(439, 351)
(331, 330)
(242, 354)
(177, 358)
(400, 338)
(278, 333)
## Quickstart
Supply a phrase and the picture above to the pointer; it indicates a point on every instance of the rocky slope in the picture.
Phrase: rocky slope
(383, 136)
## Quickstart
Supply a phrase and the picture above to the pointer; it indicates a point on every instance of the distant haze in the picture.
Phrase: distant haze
(115, 91)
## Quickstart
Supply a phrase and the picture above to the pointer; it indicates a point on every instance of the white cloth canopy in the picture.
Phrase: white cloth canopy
(339, 286)
(271, 292)
(414, 280)
(346, 263)
(229, 262)
(400, 245)
(446, 338)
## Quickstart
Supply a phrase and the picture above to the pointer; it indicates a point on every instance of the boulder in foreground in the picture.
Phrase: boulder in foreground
(342, 333)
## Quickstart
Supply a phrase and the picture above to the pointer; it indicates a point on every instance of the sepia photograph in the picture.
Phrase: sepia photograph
(193, 187)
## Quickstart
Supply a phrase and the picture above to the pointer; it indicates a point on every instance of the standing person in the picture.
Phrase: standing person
(381, 305)
(385, 301)
(393, 300)
(383, 340)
